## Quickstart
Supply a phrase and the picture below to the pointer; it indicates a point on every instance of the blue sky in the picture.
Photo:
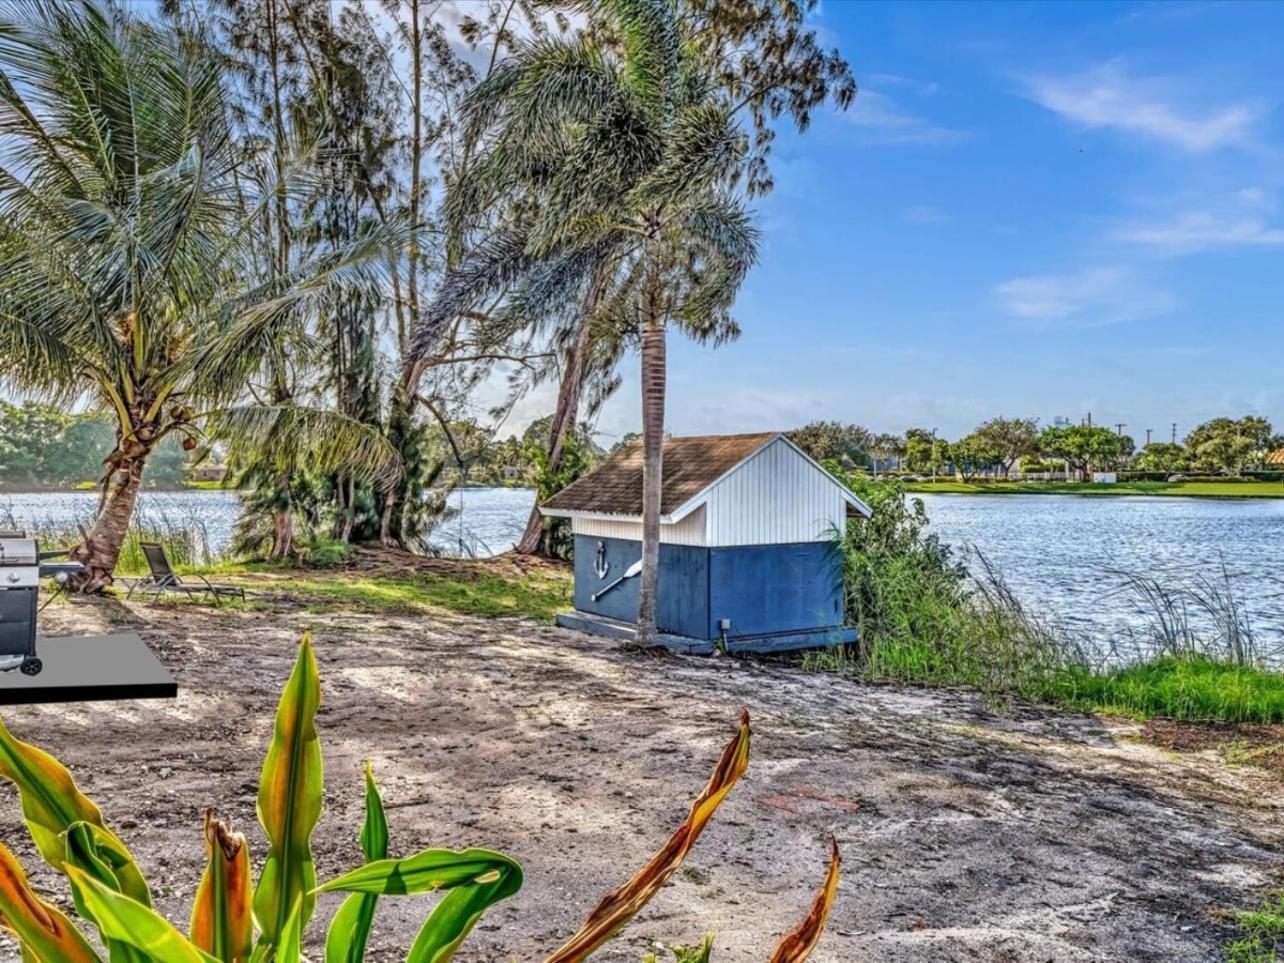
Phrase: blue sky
(1034, 209)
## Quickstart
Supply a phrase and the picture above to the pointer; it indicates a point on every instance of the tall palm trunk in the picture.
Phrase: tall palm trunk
(100, 549)
(566, 416)
(653, 383)
(283, 521)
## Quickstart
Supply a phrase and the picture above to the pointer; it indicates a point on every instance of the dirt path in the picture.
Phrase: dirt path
(966, 835)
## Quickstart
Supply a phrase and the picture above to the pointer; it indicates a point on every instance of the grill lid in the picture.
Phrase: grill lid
(18, 552)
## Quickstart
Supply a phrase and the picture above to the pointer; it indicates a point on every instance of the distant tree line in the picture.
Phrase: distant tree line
(1000, 446)
(44, 447)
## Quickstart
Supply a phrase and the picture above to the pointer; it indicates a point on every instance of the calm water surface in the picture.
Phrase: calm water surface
(1061, 554)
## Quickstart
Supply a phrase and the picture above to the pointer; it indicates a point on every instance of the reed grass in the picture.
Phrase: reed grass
(185, 537)
(927, 618)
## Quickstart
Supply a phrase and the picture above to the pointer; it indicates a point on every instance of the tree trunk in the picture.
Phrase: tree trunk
(101, 547)
(402, 438)
(565, 418)
(653, 382)
(283, 523)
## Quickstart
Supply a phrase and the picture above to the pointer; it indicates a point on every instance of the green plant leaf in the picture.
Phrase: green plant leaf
(345, 941)
(85, 853)
(44, 933)
(122, 920)
(289, 947)
(289, 802)
(454, 917)
(425, 871)
(222, 923)
(51, 803)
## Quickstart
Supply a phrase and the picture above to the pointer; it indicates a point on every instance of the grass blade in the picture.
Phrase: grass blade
(289, 802)
(222, 920)
(619, 907)
(454, 917)
(425, 871)
(51, 804)
(44, 932)
(122, 920)
(345, 941)
(797, 946)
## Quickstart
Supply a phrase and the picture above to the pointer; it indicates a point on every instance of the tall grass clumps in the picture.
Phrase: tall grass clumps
(926, 619)
(1187, 687)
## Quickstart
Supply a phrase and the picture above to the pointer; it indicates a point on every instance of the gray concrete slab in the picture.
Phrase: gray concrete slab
(90, 668)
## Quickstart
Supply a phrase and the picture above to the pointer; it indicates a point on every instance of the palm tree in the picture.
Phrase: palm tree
(128, 244)
(621, 161)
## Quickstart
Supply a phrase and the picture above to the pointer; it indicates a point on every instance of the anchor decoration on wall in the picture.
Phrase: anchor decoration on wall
(600, 565)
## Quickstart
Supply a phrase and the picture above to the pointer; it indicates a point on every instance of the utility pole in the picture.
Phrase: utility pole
(1174, 432)
(1119, 427)
(933, 456)
(1090, 419)
(1148, 431)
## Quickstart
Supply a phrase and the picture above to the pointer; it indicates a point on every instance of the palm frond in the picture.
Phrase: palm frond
(294, 437)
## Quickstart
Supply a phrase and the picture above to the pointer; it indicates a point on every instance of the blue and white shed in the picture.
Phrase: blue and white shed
(747, 544)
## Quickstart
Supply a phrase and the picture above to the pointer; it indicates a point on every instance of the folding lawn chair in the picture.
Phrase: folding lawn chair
(164, 580)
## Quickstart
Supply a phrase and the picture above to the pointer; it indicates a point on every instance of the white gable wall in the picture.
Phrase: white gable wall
(776, 496)
(687, 531)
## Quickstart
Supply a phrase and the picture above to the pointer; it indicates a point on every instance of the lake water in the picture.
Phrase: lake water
(1061, 554)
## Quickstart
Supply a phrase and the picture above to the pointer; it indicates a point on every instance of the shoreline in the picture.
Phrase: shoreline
(1214, 490)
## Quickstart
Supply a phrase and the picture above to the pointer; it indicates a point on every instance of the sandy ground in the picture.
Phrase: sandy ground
(967, 835)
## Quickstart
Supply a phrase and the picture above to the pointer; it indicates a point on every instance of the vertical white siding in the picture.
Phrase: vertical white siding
(688, 531)
(775, 497)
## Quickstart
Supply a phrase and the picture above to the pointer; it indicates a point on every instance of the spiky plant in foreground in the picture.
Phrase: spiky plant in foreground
(235, 920)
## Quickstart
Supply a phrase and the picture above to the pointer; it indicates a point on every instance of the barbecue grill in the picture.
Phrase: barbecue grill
(21, 566)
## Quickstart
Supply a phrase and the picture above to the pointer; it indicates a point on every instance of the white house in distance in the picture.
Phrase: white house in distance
(747, 544)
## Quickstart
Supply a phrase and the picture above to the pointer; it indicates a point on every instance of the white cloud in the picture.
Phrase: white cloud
(1109, 97)
(1242, 218)
(1198, 231)
(1090, 297)
(922, 214)
(885, 121)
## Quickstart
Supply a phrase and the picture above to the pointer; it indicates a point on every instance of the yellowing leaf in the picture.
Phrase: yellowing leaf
(222, 919)
(619, 907)
(43, 932)
(51, 803)
(289, 802)
(797, 946)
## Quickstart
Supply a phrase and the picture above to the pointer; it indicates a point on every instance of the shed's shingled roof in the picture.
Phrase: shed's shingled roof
(1276, 457)
(690, 466)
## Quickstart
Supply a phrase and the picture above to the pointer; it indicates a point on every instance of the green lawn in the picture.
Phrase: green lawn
(1199, 489)
(466, 588)
(1190, 688)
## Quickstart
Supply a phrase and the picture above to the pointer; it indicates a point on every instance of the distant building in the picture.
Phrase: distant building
(747, 554)
(209, 473)
(511, 473)
(1276, 458)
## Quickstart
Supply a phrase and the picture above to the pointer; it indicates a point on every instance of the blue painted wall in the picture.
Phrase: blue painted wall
(684, 584)
(766, 589)
(763, 589)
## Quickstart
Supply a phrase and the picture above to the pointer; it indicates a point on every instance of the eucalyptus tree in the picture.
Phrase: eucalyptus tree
(628, 147)
(128, 245)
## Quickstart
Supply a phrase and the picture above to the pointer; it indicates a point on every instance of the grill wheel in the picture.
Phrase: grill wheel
(32, 667)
